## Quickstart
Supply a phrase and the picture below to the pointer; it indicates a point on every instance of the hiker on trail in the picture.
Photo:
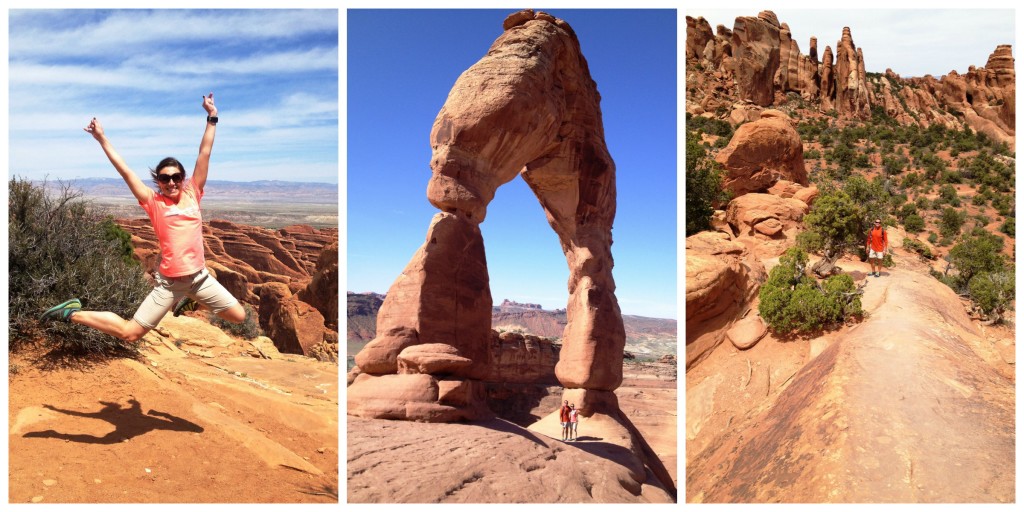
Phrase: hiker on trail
(574, 422)
(563, 417)
(876, 245)
(178, 223)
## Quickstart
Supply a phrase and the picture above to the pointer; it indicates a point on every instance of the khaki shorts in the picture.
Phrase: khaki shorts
(876, 255)
(201, 287)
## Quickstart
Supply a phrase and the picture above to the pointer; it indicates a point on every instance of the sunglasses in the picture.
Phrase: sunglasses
(166, 178)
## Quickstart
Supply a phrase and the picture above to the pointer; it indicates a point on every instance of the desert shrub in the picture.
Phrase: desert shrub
(978, 200)
(1009, 227)
(950, 222)
(791, 300)
(992, 292)
(911, 180)
(923, 203)
(60, 248)
(709, 125)
(248, 329)
(979, 253)
(906, 210)
(919, 248)
(703, 186)
(121, 239)
(933, 238)
(947, 195)
(913, 223)
(1003, 203)
(834, 224)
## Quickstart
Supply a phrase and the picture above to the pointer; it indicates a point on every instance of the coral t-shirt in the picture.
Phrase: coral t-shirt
(564, 414)
(179, 228)
(877, 239)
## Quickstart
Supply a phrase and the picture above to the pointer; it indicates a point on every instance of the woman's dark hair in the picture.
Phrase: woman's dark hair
(167, 162)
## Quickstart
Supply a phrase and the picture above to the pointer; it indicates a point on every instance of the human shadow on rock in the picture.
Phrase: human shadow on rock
(128, 421)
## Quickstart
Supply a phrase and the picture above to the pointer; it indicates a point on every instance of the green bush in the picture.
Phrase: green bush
(703, 185)
(913, 223)
(790, 300)
(992, 291)
(1009, 227)
(919, 248)
(248, 329)
(59, 248)
(980, 253)
(950, 222)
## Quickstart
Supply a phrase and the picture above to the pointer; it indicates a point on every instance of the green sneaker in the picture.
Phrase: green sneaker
(185, 304)
(62, 311)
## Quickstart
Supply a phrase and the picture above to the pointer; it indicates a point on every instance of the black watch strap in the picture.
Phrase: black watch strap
(211, 119)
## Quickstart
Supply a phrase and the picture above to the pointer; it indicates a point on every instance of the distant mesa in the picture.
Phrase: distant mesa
(509, 304)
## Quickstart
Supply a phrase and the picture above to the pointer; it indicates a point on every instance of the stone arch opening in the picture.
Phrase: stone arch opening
(528, 108)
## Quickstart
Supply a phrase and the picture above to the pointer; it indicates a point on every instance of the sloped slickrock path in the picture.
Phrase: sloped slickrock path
(486, 462)
(499, 462)
(903, 408)
(175, 427)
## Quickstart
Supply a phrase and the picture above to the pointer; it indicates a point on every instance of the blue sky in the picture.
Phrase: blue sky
(401, 66)
(911, 42)
(274, 75)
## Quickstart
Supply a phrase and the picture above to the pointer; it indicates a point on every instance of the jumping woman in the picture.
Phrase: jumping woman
(174, 212)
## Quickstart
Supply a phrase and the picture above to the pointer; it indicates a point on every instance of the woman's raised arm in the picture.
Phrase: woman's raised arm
(138, 188)
(206, 145)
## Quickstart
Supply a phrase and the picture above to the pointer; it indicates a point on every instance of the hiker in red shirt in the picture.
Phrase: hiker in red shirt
(876, 245)
(564, 418)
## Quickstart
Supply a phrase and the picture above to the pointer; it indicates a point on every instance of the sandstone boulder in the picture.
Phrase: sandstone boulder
(747, 212)
(719, 284)
(431, 358)
(761, 153)
(747, 332)
(295, 327)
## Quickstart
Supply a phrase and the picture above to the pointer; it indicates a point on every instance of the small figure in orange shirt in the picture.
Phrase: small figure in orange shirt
(876, 245)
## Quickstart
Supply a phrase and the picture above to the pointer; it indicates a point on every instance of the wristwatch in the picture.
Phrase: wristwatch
(211, 119)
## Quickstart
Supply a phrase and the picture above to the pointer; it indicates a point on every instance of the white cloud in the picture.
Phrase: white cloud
(44, 33)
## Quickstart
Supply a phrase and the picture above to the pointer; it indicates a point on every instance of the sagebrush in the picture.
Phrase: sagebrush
(60, 248)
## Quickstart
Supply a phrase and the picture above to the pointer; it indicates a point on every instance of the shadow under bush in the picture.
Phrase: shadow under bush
(59, 248)
(248, 329)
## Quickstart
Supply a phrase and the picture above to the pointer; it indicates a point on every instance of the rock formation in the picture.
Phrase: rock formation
(755, 44)
(549, 122)
(761, 153)
(758, 62)
(530, 108)
(863, 427)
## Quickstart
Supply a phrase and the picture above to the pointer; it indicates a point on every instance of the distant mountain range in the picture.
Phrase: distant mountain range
(234, 191)
(649, 336)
